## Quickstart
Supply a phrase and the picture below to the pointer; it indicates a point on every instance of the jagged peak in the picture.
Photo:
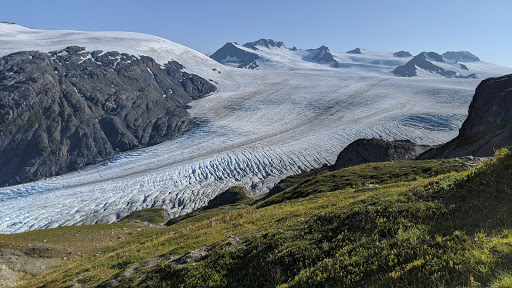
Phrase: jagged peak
(357, 51)
(431, 56)
(320, 55)
(321, 48)
(268, 43)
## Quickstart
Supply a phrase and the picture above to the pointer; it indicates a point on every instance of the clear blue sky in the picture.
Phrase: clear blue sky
(481, 27)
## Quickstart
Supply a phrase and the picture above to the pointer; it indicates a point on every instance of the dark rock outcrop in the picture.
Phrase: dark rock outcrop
(62, 110)
(356, 51)
(230, 54)
(320, 55)
(489, 123)
(377, 150)
(460, 56)
(402, 54)
(426, 60)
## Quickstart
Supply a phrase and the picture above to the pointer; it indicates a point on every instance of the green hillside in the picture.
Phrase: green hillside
(402, 224)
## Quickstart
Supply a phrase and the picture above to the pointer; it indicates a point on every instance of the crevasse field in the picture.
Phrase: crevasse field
(259, 127)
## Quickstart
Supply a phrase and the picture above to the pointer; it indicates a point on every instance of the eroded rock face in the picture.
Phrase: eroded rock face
(66, 109)
(377, 150)
(489, 123)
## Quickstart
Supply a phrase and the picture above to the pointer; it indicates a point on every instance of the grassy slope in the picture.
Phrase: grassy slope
(153, 216)
(449, 230)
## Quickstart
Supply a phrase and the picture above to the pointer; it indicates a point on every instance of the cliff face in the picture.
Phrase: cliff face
(489, 123)
(66, 109)
(376, 150)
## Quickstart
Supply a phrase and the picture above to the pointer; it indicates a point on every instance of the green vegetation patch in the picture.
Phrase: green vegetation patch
(234, 195)
(154, 216)
(233, 198)
(365, 175)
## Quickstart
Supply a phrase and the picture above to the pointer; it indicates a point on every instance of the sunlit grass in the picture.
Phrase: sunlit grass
(422, 226)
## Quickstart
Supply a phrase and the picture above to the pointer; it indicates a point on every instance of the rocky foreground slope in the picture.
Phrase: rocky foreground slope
(62, 110)
(489, 123)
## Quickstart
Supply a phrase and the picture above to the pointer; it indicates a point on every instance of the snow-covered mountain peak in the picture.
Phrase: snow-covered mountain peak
(461, 56)
(431, 56)
(267, 54)
(234, 55)
(357, 51)
(17, 38)
(267, 43)
(11, 28)
(433, 64)
(320, 55)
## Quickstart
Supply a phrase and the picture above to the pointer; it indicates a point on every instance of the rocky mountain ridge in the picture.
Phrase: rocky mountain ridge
(62, 110)
(270, 54)
(433, 63)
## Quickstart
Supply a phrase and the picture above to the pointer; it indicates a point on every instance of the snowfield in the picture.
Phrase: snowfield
(260, 127)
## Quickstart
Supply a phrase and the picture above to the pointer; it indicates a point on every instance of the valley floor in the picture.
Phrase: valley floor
(260, 127)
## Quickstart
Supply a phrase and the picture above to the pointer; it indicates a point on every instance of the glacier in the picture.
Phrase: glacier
(259, 127)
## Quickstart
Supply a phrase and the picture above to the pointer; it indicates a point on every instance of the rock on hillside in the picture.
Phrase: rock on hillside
(377, 150)
(62, 110)
(489, 123)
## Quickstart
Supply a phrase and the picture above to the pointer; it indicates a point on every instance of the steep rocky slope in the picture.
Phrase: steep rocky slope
(489, 123)
(377, 150)
(62, 110)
